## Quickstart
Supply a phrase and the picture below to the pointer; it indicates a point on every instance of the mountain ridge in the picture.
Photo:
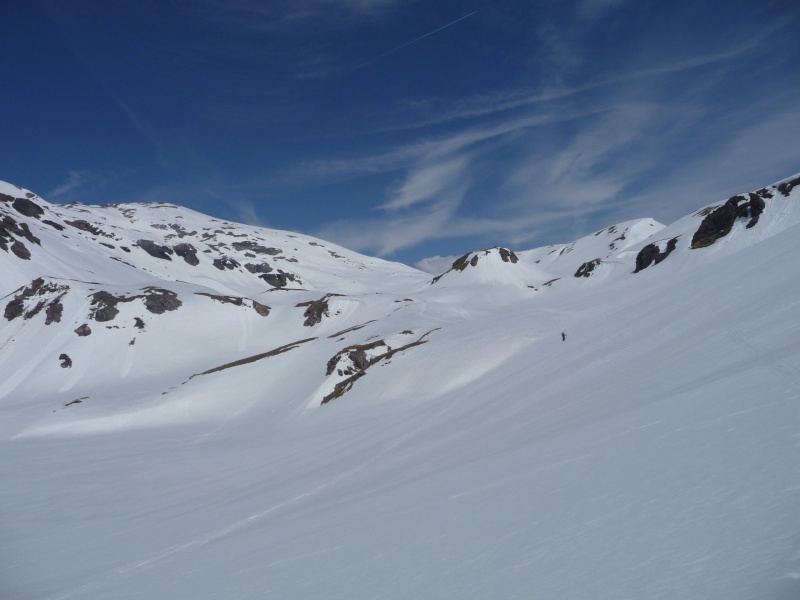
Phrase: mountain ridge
(614, 417)
(154, 274)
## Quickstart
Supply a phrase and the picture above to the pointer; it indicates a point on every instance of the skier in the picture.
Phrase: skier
(563, 337)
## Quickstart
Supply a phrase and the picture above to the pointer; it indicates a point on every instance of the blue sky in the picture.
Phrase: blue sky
(402, 128)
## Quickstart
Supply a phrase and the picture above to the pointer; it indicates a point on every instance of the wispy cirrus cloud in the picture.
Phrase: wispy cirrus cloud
(76, 178)
(487, 105)
(427, 182)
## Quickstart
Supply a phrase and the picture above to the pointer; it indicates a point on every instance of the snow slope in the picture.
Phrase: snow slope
(466, 451)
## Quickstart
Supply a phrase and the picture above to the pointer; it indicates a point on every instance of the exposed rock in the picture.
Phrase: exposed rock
(225, 262)
(585, 270)
(188, 253)
(20, 250)
(787, 186)
(36, 297)
(507, 255)
(255, 247)
(235, 300)
(27, 208)
(87, 227)
(279, 279)
(179, 229)
(258, 268)
(6, 198)
(706, 211)
(471, 259)
(154, 250)
(9, 229)
(54, 311)
(261, 309)
(105, 305)
(652, 254)
(84, 330)
(359, 359)
(719, 222)
(315, 310)
(252, 359)
(353, 362)
(14, 309)
(757, 206)
(353, 328)
(158, 300)
(355, 358)
(66, 361)
(463, 262)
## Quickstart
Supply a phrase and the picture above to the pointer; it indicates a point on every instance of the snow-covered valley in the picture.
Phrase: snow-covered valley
(192, 408)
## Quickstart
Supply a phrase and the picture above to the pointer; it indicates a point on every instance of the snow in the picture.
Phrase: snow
(653, 454)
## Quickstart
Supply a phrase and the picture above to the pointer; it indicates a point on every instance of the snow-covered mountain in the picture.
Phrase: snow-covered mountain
(196, 408)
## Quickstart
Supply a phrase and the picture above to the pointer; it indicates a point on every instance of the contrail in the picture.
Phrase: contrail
(415, 40)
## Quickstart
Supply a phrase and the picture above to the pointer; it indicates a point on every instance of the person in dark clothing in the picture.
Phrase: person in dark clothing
(563, 337)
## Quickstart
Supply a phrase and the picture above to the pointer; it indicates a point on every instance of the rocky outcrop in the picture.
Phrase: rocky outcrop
(280, 279)
(53, 224)
(787, 186)
(27, 207)
(471, 259)
(36, 297)
(719, 222)
(87, 227)
(353, 361)
(315, 310)
(104, 305)
(84, 330)
(66, 361)
(156, 300)
(225, 263)
(251, 246)
(155, 250)
(262, 309)
(251, 359)
(180, 231)
(258, 268)
(652, 254)
(188, 253)
(507, 255)
(10, 230)
(585, 270)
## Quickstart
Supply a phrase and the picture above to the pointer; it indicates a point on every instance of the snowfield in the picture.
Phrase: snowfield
(379, 435)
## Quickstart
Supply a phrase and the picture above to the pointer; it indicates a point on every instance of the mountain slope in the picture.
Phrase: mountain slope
(469, 451)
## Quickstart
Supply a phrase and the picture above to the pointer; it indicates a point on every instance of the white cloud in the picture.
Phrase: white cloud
(386, 235)
(428, 182)
(76, 179)
(435, 264)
